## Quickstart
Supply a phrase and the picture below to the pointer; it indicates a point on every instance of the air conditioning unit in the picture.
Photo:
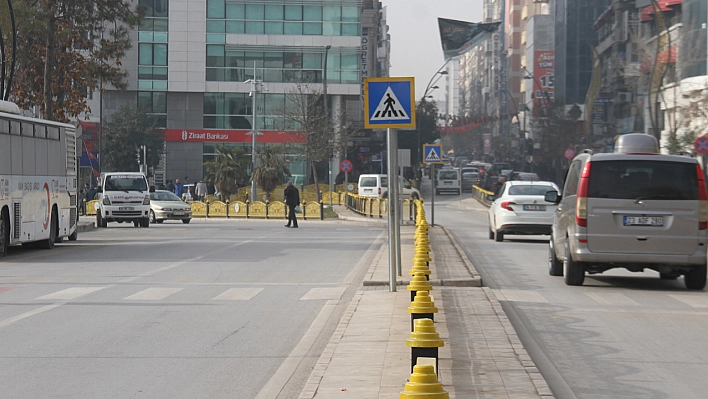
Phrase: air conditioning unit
(623, 97)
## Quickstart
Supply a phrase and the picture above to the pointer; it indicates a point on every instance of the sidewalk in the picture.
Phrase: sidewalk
(367, 358)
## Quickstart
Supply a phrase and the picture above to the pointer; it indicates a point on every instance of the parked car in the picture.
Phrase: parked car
(405, 190)
(470, 177)
(165, 205)
(372, 185)
(634, 208)
(521, 209)
(448, 180)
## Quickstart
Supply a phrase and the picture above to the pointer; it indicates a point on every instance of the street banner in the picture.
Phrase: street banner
(455, 34)
(543, 74)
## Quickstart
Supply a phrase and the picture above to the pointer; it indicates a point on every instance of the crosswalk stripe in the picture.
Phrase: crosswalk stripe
(152, 294)
(696, 301)
(611, 299)
(520, 296)
(238, 294)
(334, 293)
(70, 293)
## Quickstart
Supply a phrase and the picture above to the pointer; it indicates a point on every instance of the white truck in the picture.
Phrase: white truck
(123, 197)
(38, 185)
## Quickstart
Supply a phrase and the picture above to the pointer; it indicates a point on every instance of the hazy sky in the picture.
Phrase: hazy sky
(415, 39)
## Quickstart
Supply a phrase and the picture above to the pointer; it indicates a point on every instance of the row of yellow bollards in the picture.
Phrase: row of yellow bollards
(424, 341)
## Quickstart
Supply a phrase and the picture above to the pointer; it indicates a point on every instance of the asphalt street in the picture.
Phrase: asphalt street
(620, 335)
(217, 308)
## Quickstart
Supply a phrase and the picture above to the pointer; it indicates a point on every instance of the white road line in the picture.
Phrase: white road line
(70, 293)
(153, 294)
(25, 315)
(332, 293)
(520, 296)
(696, 301)
(276, 383)
(238, 294)
(611, 299)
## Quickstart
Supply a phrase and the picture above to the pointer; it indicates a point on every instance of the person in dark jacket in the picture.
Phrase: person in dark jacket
(292, 199)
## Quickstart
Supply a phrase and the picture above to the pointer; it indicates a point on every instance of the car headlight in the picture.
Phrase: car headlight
(146, 201)
(106, 200)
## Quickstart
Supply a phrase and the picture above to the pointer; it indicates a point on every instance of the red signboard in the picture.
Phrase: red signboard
(543, 66)
(229, 136)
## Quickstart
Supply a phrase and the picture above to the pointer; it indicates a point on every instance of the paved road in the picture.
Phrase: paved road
(213, 309)
(620, 335)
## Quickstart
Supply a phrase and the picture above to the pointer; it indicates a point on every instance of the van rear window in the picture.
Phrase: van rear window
(447, 175)
(634, 179)
(368, 182)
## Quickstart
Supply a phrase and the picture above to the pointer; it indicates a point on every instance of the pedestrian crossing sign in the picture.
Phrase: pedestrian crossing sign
(389, 103)
(432, 154)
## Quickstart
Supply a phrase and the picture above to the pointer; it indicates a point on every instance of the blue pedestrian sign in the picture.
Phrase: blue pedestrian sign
(432, 154)
(389, 103)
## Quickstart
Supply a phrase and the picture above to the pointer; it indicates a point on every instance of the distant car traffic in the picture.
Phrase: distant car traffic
(470, 177)
(520, 208)
(165, 205)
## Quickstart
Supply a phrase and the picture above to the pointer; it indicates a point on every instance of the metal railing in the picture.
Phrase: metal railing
(370, 206)
(481, 195)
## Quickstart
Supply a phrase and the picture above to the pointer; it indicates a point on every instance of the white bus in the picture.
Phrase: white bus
(38, 182)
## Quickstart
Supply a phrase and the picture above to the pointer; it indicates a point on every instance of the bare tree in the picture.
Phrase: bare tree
(306, 116)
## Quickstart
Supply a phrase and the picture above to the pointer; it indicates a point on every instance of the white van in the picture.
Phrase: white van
(373, 185)
(448, 180)
(123, 197)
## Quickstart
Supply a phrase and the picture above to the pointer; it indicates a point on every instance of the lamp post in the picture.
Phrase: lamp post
(256, 86)
(327, 118)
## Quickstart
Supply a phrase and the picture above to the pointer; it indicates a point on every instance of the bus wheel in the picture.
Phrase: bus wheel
(4, 234)
(49, 242)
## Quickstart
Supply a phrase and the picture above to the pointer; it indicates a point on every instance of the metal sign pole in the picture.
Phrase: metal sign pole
(432, 195)
(392, 198)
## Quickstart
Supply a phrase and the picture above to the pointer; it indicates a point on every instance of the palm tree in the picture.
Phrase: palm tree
(272, 169)
(229, 166)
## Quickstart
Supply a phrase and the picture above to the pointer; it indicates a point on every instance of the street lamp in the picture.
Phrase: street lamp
(256, 86)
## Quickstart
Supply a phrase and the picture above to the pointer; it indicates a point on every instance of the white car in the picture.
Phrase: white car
(165, 205)
(520, 208)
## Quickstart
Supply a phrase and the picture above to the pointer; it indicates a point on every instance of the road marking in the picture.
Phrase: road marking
(696, 301)
(276, 383)
(611, 299)
(153, 294)
(238, 294)
(70, 293)
(5, 289)
(333, 293)
(520, 296)
(25, 315)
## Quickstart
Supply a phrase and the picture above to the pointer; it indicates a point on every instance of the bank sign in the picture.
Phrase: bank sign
(229, 136)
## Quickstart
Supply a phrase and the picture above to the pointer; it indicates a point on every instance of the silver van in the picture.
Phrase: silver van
(448, 180)
(635, 209)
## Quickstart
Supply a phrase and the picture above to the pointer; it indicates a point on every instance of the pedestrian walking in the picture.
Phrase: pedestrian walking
(179, 188)
(292, 200)
(84, 200)
(201, 190)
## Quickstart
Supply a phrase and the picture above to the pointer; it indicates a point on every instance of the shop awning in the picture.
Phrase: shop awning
(664, 5)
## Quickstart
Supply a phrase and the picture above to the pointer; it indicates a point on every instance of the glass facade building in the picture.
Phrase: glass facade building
(694, 34)
(191, 58)
(573, 37)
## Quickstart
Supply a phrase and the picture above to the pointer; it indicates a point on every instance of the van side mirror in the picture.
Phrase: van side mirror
(552, 197)
(99, 189)
(152, 189)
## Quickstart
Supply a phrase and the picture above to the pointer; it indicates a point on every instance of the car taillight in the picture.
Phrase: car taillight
(581, 204)
(379, 190)
(702, 200)
(506, 205)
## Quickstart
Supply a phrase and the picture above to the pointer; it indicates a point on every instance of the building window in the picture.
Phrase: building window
(235, 111)
(154, 103)
(282, 19)
(152, 45)
(279, 65)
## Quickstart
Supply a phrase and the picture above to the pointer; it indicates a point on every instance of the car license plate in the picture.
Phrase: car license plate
(178, 213)
(368, 190)
(643, 220)
(448, 182)
(534, 207)
(126, 208)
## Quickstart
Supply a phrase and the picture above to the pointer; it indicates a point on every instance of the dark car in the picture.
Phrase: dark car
(470, 178)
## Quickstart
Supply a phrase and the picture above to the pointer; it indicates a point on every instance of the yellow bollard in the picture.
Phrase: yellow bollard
(424, 384)
(418, 283)
(424, 342)
(421, 266)
(422, 307)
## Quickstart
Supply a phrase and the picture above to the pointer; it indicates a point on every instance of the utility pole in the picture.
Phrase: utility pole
(256, 86)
